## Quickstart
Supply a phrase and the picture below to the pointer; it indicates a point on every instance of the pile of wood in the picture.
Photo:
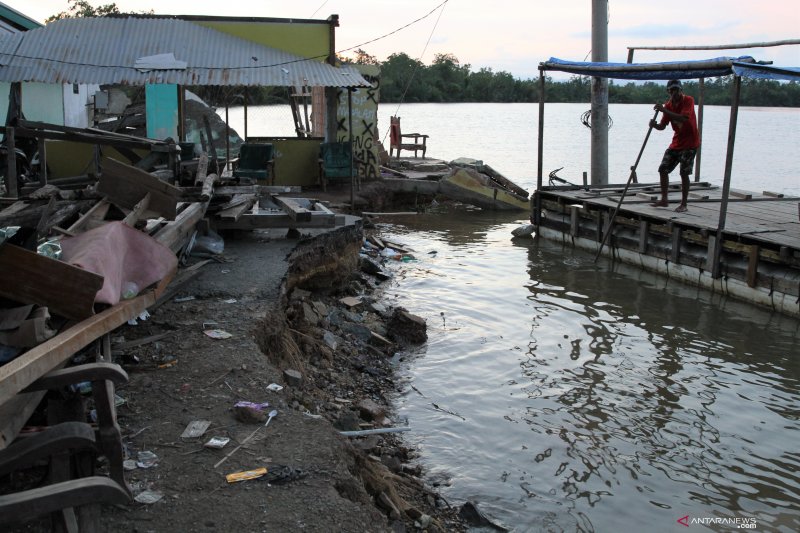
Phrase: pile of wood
(153, 202)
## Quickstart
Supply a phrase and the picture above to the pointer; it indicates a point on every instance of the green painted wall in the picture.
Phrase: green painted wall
(303, 39)
(296, 159)
(41, 102)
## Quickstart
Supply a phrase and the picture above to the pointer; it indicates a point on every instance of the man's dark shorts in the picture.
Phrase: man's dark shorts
(672, 157)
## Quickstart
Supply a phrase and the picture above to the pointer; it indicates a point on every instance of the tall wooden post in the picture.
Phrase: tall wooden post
(726, 184)
(537, 203)
(700, 99)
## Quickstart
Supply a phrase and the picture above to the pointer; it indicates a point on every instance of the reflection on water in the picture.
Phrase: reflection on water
(594, 395)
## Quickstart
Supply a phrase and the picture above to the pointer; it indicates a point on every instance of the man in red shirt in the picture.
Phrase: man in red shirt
(679, 112)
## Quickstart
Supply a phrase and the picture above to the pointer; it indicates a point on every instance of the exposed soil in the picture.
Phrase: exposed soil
(279, 299)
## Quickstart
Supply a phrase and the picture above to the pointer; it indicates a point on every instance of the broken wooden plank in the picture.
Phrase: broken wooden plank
(30, 366)
(64, 289)
(126, 186)
(175, 233)
(202, 169)
(92, 218)
(745, 195)
(207, 191)
(137, 212)
(292, 207)
(238, 206)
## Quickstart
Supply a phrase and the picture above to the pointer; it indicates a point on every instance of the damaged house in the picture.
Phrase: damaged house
(94, 220)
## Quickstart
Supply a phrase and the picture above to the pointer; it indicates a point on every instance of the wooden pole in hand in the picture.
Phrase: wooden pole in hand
(631, 178)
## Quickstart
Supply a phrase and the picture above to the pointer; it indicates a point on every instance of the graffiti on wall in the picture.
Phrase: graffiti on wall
(365, 126)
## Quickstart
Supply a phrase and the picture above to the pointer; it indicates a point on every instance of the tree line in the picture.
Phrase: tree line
(446, 80)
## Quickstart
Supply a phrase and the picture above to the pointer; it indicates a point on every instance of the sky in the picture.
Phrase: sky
(510, 35)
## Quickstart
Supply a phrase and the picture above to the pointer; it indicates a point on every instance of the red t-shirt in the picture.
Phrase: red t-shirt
(686, 135)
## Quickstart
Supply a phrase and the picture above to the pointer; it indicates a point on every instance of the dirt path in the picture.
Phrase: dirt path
(317, 479)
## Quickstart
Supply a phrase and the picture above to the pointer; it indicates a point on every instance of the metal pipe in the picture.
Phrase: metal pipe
(537, 199)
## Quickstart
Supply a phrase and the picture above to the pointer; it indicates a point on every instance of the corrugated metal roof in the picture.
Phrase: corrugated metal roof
(105, 50)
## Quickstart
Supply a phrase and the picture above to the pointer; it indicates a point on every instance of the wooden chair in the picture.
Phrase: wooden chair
(396, 139)
(334, 163)
(70, 485)
(103, 377)
(256, 162)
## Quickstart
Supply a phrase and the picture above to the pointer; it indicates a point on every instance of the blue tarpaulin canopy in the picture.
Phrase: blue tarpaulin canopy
(706, 68)
(766, 72)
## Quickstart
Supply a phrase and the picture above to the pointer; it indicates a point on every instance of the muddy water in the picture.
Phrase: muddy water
(564, 395)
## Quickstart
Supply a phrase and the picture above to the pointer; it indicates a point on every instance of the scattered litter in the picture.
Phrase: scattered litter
(274, 387)
(148, 497)
(217, 442)
(129, 464)
(183, 299)
(249, 412)
(146, 459)
(281, 474)
(247, 474)
(195, 429)
(309, 414)
(129, 290)
(168, 364)
(229, 301)
(225, 271)
(143, 316)
(217, 334)
(252, 405)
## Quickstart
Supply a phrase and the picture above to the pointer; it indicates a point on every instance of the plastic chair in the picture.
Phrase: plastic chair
(256, 162)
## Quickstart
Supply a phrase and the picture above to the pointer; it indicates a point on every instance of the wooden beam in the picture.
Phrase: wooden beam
(92, 218)
(137, 212)
(676, 243)
(249, 221)
(126, 186)
(293, 208)
(64, 289)
(752, 266)
(30, 366)
(239, 205)
(644, 236)
(574, 220)
(174, 233)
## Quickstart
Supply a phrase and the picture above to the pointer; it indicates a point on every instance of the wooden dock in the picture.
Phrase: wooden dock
(759, 256)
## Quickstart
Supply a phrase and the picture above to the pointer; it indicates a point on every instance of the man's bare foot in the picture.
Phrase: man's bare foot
(660, 203)
(681, 208)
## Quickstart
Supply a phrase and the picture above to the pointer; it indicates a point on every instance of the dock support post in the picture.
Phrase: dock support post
(675, 252)
(574, 220)
(644, 230)
(752, 266)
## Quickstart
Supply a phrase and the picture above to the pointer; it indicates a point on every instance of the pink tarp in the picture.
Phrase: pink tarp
(128, 259)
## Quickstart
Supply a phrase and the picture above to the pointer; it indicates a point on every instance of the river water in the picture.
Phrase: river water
(563, 395)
